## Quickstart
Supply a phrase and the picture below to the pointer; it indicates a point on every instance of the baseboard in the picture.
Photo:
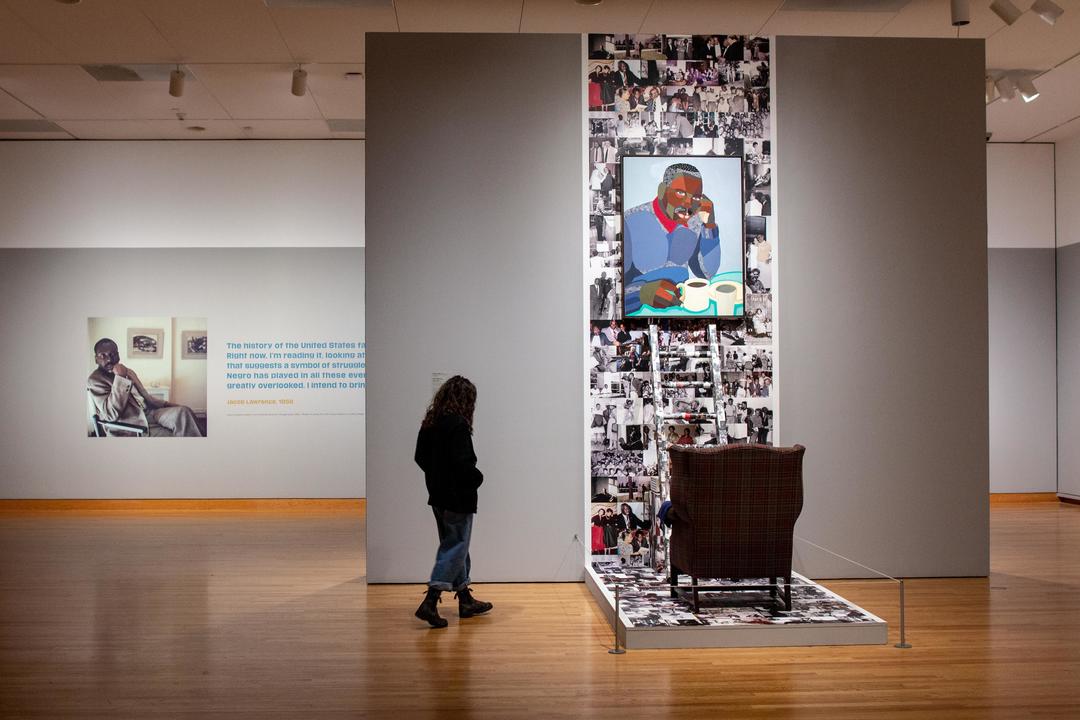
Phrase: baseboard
(1018, 498)
(1069, 499)
(233, 505)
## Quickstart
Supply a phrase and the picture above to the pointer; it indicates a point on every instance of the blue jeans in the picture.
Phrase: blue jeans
(451, 571)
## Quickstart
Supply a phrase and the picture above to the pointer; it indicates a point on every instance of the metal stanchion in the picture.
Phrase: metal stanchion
(615, 626)
(903, 644)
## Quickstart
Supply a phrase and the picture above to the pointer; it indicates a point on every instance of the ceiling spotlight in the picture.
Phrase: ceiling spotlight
(299, 82)
(176, 82)
(1047, 10)
(1005, 10)
(1006, 88)
(961, 12)
(69, 2)
(1027, 88)
(590, 3)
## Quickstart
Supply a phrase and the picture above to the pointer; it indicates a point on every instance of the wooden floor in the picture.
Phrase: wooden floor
(267, 615)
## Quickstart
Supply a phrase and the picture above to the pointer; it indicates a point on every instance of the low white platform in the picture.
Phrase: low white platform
(650, 618)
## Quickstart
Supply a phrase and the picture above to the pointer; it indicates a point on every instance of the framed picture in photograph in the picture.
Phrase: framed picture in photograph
(145, 343)
(193, 344)
(683, 236)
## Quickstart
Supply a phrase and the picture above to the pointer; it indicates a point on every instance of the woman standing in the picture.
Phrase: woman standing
(444, 452)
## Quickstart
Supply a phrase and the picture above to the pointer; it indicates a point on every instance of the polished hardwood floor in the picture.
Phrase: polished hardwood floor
(144, 614)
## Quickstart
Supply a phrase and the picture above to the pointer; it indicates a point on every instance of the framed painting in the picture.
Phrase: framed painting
(683, 236)
(193, 344)
(145, 343)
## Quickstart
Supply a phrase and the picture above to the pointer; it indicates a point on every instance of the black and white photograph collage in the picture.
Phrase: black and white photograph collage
(671, 95)
(647, 602)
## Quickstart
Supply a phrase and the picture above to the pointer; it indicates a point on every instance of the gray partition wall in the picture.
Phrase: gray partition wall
(882, 282)
(474, 249)
(1068, 366)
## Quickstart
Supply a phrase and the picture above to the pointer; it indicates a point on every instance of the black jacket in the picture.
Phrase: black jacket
(444, 452)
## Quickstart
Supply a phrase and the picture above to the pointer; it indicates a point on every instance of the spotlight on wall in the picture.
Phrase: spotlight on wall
(1047, 10)
(989, 90)
(1006, 88)
(1027, 88)
(1005, 10)
(176, 82)
(299, 82)
(961, 12)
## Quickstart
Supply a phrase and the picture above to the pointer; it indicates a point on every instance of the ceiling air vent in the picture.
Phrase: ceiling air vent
(29, 126)
(876, 6)
(358, 4)
(129, 73)
(346, 125)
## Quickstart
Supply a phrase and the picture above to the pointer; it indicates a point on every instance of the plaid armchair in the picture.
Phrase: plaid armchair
(733, 510)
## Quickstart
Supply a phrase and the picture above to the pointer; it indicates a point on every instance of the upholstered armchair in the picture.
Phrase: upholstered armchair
(733, 513)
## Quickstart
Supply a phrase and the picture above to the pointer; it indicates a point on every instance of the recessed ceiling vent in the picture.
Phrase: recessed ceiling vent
(347, 125)
(129, 73)
(874, 6)
(357, 4)
(29, 126)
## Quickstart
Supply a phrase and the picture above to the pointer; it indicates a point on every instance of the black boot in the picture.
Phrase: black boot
(429, 609)
(468, 605)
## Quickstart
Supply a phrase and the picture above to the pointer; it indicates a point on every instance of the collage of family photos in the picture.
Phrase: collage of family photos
(701, 103)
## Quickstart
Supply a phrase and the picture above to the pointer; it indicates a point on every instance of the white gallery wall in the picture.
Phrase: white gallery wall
(1022, 299)
(882, 315)
(143, 194)
(250, 241)
(1068, 337)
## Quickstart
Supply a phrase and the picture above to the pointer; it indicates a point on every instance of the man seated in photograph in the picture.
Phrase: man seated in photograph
(119, 396)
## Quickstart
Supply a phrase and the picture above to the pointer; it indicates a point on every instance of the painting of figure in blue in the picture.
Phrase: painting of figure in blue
(682, 236)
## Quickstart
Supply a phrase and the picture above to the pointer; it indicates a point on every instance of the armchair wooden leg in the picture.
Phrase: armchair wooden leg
(772, 587)
(673, 581)
(697, 604)
(787, 593)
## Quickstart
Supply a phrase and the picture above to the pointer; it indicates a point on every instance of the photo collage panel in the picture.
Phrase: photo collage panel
(670, 96)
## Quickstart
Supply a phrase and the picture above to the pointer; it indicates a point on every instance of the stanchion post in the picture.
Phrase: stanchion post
(615, 626)
(903, 644)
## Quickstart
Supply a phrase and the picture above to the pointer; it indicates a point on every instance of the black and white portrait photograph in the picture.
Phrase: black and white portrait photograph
(603, 202)
(633, 488)
(602, 124)
(758, 203)
(759, 317)
(603, 298)
(603, 149)
(602, 176)
(603, 229)
(146, 377)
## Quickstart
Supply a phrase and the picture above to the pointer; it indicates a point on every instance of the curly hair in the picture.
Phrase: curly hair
(456, 396)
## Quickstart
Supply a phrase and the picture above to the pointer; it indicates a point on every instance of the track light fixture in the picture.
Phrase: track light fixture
(961, 12)
(176, 82)
(1047, 10)
(299, 81)
(1006, 88)
(1005, 10)
(989, 90)
(1027, 88)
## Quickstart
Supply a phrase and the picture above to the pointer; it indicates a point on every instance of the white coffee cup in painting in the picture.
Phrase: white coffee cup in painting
(695, 294)
(727, 294)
